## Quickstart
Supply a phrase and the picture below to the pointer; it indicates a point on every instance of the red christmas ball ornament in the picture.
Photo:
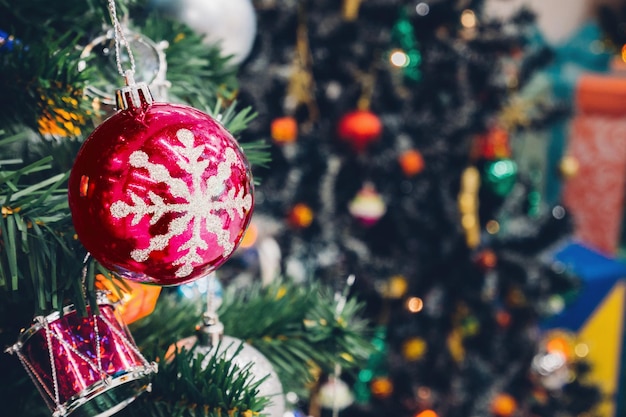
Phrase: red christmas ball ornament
(493, 145)
(160, 193)
(486, 259)
(503, 318)
(359, 128)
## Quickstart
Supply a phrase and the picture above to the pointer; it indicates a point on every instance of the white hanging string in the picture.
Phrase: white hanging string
(212, 302)
(120, 39)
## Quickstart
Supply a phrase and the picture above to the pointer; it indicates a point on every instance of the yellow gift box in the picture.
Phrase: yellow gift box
(596, 318)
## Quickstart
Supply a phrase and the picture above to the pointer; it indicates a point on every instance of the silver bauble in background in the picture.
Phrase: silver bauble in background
(231, 23)
(260, 368)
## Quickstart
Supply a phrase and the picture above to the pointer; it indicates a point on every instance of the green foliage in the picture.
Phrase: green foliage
(40, 257)
(40, 80)
(199, 385)
(173, 319)
(296, 327)
(199, 74)
(236, 121)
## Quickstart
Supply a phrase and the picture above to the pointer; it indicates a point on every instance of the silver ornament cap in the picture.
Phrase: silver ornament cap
(133, 94)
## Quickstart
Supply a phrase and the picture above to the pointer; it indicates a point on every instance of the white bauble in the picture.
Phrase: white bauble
(232, 23)
(335, 394)
(552, 369)
(260, 368)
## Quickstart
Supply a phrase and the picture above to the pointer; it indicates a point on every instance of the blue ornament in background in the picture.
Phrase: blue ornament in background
(7, 42)
(199, 287)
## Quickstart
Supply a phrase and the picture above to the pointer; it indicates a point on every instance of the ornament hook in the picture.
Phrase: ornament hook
(211, 330)
(135, 94)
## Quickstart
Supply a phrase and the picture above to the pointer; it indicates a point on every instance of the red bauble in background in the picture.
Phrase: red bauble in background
(493, 145)
(161, 194)
(359, 128)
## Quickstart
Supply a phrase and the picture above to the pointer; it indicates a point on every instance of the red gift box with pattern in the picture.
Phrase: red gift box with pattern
(597, 140)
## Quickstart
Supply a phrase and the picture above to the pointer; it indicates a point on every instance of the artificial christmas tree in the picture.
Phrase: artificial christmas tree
(449, 247)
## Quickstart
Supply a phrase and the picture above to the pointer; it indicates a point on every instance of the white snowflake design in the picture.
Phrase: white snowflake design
(200, 206)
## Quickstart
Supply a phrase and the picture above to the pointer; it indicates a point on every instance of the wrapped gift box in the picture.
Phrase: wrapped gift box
(596, 317)
(597, 140)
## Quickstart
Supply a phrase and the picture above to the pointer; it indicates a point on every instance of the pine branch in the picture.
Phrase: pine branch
(294, 326)
(190, 385)
(45, 78)
(40, 257)
(198, 73)
(257, 152)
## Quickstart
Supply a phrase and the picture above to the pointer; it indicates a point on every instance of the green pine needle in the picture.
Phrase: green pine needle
(40, 256)
(296, 327)
(201, 385)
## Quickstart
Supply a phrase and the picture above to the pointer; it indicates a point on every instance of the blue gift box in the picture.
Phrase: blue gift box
(596, 317)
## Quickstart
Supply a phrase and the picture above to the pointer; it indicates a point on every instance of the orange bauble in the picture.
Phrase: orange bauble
(136, 300)
(359, 128)
(411, 162)
(250, 237)
(301, 216)
(504, 405)
(560, 342)
(569, 167)
(426, 413)
(284, 130)
(381, 387)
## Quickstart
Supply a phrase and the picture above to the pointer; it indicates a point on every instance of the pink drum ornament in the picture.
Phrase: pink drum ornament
(83, 366)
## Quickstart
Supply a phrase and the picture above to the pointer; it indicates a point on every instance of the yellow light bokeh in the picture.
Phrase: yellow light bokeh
(468, 220)
(415, 304)
(399, 59)
(581, 350)
(468, 19)
(492, 227)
